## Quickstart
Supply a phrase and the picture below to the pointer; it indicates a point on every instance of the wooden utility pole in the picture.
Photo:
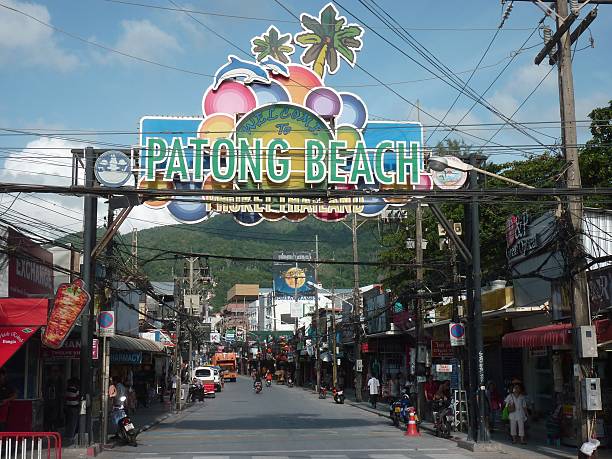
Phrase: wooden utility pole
(580, 310)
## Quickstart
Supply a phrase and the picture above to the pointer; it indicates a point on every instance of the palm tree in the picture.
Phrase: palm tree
(272, 44)
(327, 37)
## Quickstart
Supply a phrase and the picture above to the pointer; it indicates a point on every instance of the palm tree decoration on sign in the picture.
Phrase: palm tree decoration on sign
(326, 38)
(272, 44)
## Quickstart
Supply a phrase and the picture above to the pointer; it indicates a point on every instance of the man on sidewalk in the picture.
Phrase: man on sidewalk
(374, 386)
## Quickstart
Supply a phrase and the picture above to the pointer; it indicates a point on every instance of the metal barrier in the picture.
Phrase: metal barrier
(30, 445)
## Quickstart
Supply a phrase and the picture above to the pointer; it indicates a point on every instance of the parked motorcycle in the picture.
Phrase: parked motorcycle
(338, 395)
(442, 415)
(323, 392)
(196, 391)
(395, 410)
(257, 387)
(125, 428)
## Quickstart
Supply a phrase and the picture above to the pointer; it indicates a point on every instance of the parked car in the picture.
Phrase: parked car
(207, 376)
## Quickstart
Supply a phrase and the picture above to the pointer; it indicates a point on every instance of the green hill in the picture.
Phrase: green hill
(221, 235)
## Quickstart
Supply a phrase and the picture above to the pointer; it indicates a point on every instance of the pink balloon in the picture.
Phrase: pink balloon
(230, 97)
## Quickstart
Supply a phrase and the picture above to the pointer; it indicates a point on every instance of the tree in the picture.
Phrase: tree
(595, 164)
(272, 44)
(326, 38)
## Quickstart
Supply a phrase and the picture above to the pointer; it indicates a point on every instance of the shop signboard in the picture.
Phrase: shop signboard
(441, 349)
(275, 123)
(27, 269)
(70, 350)
(126, 357)
(444, 368)
(70, 300)
(215, 338)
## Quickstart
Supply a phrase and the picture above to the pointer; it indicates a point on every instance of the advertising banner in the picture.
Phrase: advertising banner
(295, 278)
(273, 122)
(70, 300)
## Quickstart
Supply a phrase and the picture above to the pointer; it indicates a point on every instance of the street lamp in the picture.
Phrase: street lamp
(440, 163)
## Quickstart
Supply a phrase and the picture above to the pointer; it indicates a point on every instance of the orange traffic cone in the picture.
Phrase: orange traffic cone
(411, 427)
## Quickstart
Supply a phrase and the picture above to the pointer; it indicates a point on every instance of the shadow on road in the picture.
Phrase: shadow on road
(298, 421)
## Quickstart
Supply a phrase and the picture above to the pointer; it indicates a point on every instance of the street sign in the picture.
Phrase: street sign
(95, 349)
(456, 333)
(106, 322)
(359, 366)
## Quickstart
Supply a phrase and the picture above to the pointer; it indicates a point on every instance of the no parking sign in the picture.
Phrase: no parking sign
(106, 323)
(456, 332)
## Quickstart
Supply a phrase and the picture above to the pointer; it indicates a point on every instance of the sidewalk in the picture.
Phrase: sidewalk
(143, 418)
(535, 449)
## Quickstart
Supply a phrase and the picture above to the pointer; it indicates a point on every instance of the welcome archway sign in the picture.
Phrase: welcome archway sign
(271, 123)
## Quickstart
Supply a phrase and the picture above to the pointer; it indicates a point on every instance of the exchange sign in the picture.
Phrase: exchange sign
(273, 124)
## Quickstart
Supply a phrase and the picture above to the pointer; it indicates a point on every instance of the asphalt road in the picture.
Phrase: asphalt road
(281, 423)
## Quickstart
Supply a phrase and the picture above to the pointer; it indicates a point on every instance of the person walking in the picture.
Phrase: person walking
(517, 413)
(71, 401)
(374, 386)
(494, 404)
(395, 388)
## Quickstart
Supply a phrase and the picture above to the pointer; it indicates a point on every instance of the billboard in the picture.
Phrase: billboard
(294, 278)
(273, 123)
(26, 268)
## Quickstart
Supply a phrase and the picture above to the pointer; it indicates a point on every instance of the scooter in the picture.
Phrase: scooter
(338, 396)
(323, 392)
(125, 428)
(290, 382)
(442, 418)
(257, 387)
(268, 383)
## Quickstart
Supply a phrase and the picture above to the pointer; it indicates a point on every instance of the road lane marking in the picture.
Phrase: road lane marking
(269, 457)
(211, 457)
(448, 456)
(386, 456)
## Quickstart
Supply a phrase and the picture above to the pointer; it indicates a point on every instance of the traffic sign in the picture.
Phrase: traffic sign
(106, 323)
(456, 333)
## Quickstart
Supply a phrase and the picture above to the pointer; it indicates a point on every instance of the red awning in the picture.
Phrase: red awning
(553, 335)
(11, 339)
(28, 312)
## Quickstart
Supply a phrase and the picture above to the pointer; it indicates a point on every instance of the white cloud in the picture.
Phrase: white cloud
(47, 161)
(26, 42)
(145, 40)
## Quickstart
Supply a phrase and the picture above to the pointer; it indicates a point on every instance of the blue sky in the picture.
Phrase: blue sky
(52, 81)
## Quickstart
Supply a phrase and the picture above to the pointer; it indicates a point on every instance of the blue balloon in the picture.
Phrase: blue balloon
(188, 209)
(353, 111)
(269, 93)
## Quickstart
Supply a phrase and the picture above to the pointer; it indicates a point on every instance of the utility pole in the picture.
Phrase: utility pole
(580, 310)
(315, 316)
(357, 306)
(478, 346)
(105, 341)
(333, 340)
(89, 235)
(419, 302)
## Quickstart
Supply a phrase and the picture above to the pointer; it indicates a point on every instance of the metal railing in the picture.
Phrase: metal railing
(30, 445)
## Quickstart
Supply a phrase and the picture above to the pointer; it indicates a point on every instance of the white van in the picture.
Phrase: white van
(208, 374)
